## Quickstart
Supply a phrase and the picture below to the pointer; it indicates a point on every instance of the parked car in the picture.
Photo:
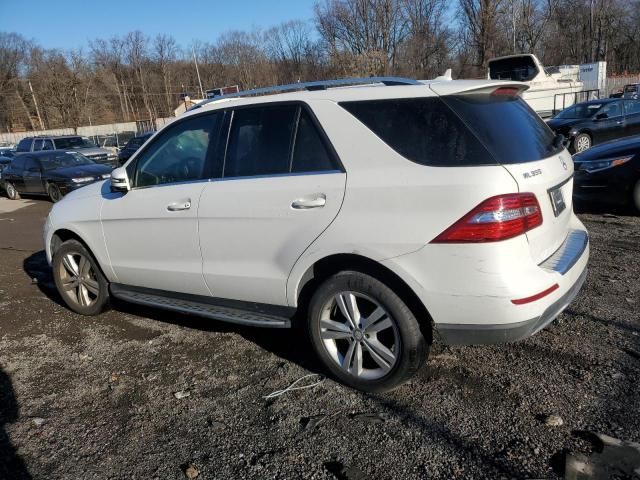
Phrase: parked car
(609, 173)
(132, 146)
(631, 91)
(53, 173)
(4, 163)
(597, 121)
(69, 142)
(7, 151)
(374, 216)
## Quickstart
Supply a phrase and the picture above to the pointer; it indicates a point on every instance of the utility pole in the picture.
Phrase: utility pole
(33, 95)
(195, 60)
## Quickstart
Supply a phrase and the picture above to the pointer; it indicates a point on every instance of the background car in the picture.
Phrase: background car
(7, 151)
(132, 147)
(631, 91)
(69, 142)
(51, 173)
(4, 163)
(597, 121)
(609, 173)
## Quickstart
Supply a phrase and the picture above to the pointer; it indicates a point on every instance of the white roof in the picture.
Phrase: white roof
(426, 88)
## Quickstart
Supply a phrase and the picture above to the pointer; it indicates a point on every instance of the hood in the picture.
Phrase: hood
(91, 170)
(91, 151)
(625, 146)
(563, 123)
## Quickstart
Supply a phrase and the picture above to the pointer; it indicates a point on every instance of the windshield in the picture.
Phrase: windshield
(64, 159)
(582, 110)
(73, 142)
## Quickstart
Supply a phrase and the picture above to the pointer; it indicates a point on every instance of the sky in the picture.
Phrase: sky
(67, 24)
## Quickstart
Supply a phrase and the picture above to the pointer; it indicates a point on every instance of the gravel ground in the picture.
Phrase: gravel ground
(96, 397)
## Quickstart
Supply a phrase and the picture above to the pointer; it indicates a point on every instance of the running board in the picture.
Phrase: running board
(196, 305)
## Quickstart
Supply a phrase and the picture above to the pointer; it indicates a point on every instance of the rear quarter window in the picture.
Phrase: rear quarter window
(458, 130)
(423, 130)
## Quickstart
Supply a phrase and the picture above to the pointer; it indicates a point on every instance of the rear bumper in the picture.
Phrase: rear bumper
(510, 332)
(474, 294)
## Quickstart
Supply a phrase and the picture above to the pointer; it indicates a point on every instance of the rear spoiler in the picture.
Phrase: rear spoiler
(478, 86)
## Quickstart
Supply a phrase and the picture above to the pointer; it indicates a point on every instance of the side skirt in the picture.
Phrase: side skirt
(232, 311)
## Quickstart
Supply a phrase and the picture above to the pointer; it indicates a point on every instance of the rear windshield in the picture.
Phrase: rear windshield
(73, 142)
(458, 130)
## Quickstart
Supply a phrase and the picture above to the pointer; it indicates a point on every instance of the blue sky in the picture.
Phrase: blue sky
(71, 23)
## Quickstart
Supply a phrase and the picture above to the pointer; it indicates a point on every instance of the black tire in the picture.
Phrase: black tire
(635, 196)
(12, 193)
(55, 195)
(581, 142)
(95, 284)
(412, 349)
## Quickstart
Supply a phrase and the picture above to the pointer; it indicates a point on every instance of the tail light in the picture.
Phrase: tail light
(505, 91)
(497, 218)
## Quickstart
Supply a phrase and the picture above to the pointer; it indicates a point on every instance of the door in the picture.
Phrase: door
(612, 125)
(282, 186)
(32, 176)
(632, 114)
(151, 232)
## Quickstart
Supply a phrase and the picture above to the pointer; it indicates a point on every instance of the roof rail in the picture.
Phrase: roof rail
(312, 86)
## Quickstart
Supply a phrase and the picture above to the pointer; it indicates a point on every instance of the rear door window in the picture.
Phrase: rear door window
(310, 153)
(260, 141)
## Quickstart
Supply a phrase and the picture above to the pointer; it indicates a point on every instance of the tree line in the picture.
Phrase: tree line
(138, 77)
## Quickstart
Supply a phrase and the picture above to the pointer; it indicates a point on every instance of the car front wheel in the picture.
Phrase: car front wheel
(12, 193)
(363, 332)
(581, 142)
(79, 279)
(54, 193)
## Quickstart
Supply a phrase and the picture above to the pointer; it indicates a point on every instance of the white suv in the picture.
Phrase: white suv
(373, 215)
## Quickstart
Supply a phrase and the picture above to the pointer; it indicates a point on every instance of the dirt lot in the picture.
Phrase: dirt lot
(95, 397)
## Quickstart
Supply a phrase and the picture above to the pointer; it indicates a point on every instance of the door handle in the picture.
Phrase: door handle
(177, 206)
(311, 202)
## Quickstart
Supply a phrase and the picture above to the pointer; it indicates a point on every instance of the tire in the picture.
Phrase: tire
(635, 198)
(581, 142)
(354, 355)
(79, 280)
(55, 195)
(12, 193)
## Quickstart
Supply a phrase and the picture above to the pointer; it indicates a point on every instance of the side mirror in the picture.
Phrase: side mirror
(119, 180)
(601, 116)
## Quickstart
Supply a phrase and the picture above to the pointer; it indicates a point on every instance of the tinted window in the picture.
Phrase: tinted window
(37, 144)
(64, 159)
(582, 110)
(48, 144)
(613, 109)
(260, 141)
(179, 154)
(73, 142)
(506, 125)
(24, 145)
(310, 154)
(423, 130)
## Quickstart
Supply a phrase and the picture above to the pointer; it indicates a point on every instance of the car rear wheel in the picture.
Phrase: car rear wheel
(363, 332)
(581, 142)
(79, 279)
(12, 193)
(54, 193)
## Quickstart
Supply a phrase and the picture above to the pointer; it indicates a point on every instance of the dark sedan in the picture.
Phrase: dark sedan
(52, 173)
(597, 121)
(609, 173)
(132, 147)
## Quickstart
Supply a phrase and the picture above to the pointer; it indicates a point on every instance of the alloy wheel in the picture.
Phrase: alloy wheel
(583, 143)
(78, 279)
(359, 335)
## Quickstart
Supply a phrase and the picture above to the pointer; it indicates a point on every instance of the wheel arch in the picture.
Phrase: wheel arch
(62, 235)
(332, 264)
